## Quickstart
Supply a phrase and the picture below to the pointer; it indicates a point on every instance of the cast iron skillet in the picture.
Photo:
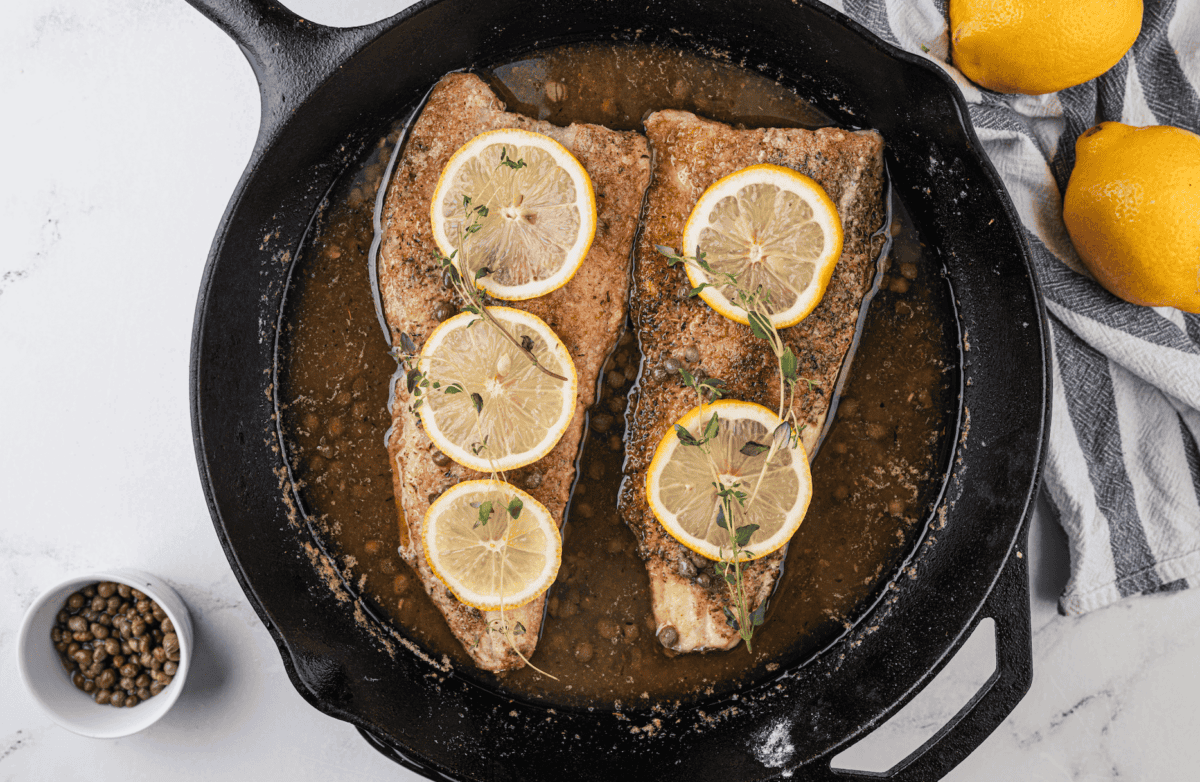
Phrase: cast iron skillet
(328, 92)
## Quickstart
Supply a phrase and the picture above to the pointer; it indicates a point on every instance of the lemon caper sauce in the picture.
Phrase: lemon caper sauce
(875, 478)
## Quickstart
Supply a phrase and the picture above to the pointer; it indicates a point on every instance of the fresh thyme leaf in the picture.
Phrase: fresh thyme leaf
(688, 380)
(760, 325)
(742, 536)
(407, 344)
(485, 513)
(712, 387)
(668, 252)
(477, 402)
(710, 431)
(473, 227)
(514, 507)
(730, 619)
(782, 435)
(758, 614)
(485, 271)
(411, 379)
(788, 365)
(696, 291)
(453, 388)
(721, 522)
(519, 629)
(505, 160)
(466, 201)
(925, 48)
(751, 448)
(482, 210)
(685, 436)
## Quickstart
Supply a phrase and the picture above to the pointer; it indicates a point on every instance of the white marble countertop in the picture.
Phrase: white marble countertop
(128, 124)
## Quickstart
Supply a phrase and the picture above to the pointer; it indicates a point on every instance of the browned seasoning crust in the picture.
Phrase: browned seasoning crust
(690, 154)
(587, 314)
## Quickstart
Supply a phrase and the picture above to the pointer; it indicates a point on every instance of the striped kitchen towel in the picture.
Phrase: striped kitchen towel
(1123, 467)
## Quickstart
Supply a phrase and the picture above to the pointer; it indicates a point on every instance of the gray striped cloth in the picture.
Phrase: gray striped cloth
(1124, 465)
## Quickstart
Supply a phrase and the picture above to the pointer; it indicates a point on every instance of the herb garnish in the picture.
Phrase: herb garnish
(733, 497)
(462, 280)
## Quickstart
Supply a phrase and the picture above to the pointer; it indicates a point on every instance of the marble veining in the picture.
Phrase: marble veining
(127, 126)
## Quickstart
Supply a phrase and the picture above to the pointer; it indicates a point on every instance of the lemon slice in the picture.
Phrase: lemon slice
(487, 406)
(680, 490)
(503, 563)
(769, 226)
(539, 217)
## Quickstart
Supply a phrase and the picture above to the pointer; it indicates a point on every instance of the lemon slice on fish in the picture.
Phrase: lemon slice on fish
(491, 544)
(680, 482)
(486, 405)
(530, 218)
(771, 227)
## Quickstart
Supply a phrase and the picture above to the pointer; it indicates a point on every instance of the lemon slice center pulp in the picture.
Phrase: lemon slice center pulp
(532, 219)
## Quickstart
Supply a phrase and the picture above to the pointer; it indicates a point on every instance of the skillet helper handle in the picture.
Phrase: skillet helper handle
(291, 56)
(1008, 606)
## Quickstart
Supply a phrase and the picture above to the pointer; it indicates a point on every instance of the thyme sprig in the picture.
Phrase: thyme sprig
(731, 495)
(486, 509)
(463, 281)
(757, 305)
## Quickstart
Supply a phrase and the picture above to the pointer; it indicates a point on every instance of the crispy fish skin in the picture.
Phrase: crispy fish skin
(690, 154)
(587, 314)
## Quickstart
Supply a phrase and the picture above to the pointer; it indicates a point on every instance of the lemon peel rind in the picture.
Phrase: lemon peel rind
(530, 504)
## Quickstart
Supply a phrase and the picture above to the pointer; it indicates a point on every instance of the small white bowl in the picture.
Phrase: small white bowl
(75, 710)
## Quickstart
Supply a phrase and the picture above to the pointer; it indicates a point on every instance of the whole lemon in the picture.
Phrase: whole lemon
(1038, 46)
(1132, 209)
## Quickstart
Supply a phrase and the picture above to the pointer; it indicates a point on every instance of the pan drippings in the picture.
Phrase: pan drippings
(875, 479)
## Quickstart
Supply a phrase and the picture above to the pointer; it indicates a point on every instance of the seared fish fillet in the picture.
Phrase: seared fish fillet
(587, 314)
(690, 154)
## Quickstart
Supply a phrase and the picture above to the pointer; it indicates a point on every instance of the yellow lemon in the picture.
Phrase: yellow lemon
(492, 544)
(775, 484)
(486, 405)
(1038, 46)
(518, 204)
(1132, 209)
(776, 231)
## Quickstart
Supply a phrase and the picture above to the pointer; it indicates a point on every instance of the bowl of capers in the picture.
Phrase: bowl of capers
(106, 654)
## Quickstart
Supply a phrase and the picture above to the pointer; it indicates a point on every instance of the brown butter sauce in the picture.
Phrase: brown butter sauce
(875, 479)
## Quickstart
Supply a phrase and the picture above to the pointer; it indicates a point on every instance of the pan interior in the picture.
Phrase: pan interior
(877, 476)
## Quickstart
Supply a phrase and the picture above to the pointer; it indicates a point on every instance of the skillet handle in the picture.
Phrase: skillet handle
(291, 56)
(1008, 606)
